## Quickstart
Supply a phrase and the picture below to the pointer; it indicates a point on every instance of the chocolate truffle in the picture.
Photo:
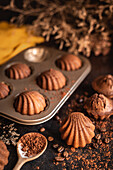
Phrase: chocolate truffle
(104, 85)
(51, 80)
(4, 90)
(30, 103)
(4, 154)
(77, 130)
(69, 62)
(18, 71)
(99, 106)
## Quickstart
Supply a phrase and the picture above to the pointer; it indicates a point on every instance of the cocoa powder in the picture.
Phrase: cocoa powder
(32, 143)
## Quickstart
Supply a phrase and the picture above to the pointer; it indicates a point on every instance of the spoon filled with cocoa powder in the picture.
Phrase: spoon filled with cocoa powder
(29, 147)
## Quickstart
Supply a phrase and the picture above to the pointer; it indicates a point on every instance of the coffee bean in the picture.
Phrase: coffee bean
(57, 117)
(42, 129)
(98, 136)
(59, 158)
(107, 140)
(65, 154)
(50, 138)
(99, 141)
(55, 146)
(72, 149)
(86, 93)
(103, 129)
(60, 149)
(81, 100)
(95, 145)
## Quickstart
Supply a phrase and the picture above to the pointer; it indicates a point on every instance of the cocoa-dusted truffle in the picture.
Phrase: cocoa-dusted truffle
(104, 85)
(99, 106)
(69, 62)
(4, 90)
(51, 80)
(18, 71)
(77, 130)
(30, 103)
(4, 154)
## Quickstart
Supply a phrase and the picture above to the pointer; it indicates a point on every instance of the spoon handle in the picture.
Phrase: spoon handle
(19, 164)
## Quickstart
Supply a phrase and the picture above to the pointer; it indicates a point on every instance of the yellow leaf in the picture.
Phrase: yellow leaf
(5, 25)
(14, 40)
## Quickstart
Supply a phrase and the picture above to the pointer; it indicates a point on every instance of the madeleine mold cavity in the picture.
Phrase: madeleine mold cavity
(69, 62)
(51, 80)
(35, 55)
(4, 90)
(30, 103)
(18, 71)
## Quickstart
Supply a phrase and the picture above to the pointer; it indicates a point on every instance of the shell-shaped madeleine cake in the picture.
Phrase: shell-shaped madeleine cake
(18, 71)
(30, 103)
(4, 90)
(51, 80)
(4, 154)
(69, 62)
(99, 106)
(77, 130)
(104, 85)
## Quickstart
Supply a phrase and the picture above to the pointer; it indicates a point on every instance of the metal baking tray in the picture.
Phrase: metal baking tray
(55, 99)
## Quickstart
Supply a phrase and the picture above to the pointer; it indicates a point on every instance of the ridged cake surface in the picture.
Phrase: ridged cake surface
(30, 103)
(77, 130)
(4, 154)
(104, 85)
(69, 62)
(18, 71)
(4, 90)
(51, 80)
(99, 106)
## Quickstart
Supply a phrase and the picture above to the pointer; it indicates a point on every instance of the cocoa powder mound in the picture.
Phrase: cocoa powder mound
(32, 143)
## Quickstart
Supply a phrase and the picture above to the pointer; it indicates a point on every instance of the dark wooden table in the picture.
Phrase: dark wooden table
(100, 65)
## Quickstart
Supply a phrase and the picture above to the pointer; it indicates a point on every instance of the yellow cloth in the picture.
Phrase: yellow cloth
(13, 40)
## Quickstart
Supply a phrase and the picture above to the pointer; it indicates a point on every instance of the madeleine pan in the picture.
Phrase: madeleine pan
(39, 59)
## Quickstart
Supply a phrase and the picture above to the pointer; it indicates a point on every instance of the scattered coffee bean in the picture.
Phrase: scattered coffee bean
(50, 138)
(60, 149)
(103, 129)
(65, 154)
(57, 117)
(59, 158)
(60, 121)
(42, 129)
(99, 141)
(81, 100)
(72, 149)
(98, 136)
(107, 140)
(95, 145)
(55, 146)
(86, 93)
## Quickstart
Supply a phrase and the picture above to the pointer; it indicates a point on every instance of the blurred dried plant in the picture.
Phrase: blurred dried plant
(76, 25)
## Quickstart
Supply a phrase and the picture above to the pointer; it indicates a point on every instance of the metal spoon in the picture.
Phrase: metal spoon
(22, 158)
